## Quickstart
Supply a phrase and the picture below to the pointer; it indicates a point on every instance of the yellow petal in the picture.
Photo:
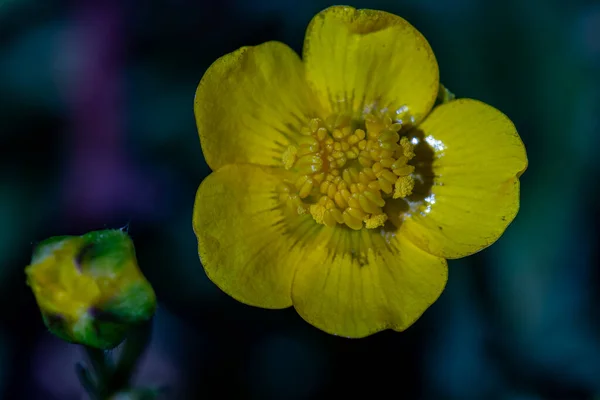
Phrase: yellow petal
(477, 159)
(248, 244)
(363, 58)
(249, 104)
(356, 283)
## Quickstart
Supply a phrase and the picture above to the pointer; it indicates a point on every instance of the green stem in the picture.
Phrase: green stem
(101, 368)
(111, 377)
(136, 343)
(86, 380)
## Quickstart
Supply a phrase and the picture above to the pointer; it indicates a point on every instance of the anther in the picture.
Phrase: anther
(348, 168)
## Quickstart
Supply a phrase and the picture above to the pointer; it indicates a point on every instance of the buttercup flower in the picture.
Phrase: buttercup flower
(89, 288)
(338, 187)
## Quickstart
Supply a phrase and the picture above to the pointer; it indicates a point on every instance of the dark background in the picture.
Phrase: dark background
(97, 131)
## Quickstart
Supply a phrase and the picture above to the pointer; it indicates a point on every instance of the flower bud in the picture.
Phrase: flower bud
(89, 288)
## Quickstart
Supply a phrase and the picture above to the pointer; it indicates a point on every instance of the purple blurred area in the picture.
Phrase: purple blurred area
(97, 131)
(101, 177)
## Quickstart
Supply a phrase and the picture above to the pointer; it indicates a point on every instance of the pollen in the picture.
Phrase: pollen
(347, 168)
(376, 221)
(289, 157)
(403, 187)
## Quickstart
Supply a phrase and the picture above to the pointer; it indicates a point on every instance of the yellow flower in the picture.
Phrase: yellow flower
(89, 288)
(338, 188)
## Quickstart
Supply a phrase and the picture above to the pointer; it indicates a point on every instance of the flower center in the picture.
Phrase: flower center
(348, 168)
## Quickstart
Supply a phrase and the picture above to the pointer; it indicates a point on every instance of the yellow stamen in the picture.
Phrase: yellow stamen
(318, 213)
(404, 186)
(375, 221)
(289, 157)
(347, 168)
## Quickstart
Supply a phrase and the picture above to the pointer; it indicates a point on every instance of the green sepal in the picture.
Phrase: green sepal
(444, 95)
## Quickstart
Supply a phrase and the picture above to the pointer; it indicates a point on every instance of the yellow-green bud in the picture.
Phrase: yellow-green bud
(89, 288)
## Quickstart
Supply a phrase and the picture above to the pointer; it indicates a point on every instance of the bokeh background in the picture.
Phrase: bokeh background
(97, 131)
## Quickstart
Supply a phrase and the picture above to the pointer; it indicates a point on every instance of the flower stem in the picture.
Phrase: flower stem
(110, 377)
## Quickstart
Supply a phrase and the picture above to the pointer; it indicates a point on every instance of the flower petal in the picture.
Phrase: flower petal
(477, 159)
(249, 104)
(356, 59)
(356, 283)
(245, 238)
